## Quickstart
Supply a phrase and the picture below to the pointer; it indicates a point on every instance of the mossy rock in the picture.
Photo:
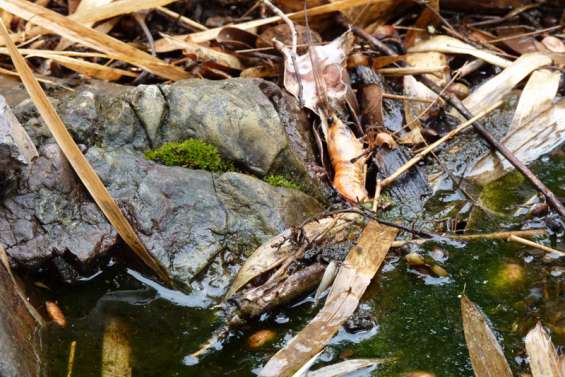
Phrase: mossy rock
(192, 154)
(281, 181)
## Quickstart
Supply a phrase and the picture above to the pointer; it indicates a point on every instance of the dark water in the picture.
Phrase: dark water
(417, 316)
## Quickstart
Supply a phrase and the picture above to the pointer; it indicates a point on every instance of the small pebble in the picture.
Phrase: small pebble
(261, 338)
(459, 89)
(439, 271)
(419, 374)
(415, 259)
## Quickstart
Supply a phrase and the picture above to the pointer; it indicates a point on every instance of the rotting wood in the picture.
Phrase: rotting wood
(354, 275)
(80, 164)
(544, 361)
(487, 356)
(256, 301)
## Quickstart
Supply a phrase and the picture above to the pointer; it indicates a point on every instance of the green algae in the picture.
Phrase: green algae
(417, 314)
(192, 154)
(281, 181)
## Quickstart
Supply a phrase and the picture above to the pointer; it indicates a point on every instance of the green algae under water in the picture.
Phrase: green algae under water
(417, 315)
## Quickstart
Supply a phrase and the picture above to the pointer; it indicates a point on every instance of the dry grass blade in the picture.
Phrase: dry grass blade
(88, 37)
(116, 8)
(450, 45)
(205, 54)
(207, 35)
(79, 163)
(486, 354)
(98, 71)
(353, 277)
(544, 361)
(273, 252)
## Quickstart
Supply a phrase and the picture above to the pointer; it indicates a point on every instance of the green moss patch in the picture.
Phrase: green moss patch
(191, 153)
(197, 154)
(280, 181)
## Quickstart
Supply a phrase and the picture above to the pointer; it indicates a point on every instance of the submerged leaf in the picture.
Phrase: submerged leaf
(344, 368)
(486, 354)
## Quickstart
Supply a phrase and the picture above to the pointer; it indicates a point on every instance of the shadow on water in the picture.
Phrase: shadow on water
(416, 315)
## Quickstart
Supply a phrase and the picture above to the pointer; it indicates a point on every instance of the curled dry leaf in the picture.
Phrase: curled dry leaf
(282, 34)
(450, 45)
(273, 252)
(554, 44)
(384, 138)
(331, 58)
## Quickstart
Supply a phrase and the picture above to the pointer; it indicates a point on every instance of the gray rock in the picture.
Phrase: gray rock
(185, 217)
(16, 148)
(252, 122)
(50, 215)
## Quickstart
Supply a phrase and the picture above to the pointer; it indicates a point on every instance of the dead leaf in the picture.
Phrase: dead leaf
(355, 274)
(544, 361)
(486, 354)
(55, 313)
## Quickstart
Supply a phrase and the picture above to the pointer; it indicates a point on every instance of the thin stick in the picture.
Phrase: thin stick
(71, 362)
(525, 34)
(377, 195)
(551, 198)
(408, 98)
(293, 48)
(536, 245)
(473, 237)
(405, 71)
(184, 20)
(414, 160)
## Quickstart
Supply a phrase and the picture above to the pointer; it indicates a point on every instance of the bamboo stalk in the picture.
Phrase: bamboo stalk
(536, 245)
(185, 20)
(71, 362)
(79, 162)
(472, 237)
(337, 6)
(414, 160)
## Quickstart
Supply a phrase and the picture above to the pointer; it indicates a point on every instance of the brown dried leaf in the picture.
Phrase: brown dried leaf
(55, 313)
(353, 278)
(332, 60)
(486, 354)
(544, 361)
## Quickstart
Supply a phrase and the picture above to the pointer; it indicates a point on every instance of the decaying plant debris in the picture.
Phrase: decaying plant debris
(344, 62)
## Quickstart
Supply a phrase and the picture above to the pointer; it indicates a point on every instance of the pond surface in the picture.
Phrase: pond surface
(416, 315)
